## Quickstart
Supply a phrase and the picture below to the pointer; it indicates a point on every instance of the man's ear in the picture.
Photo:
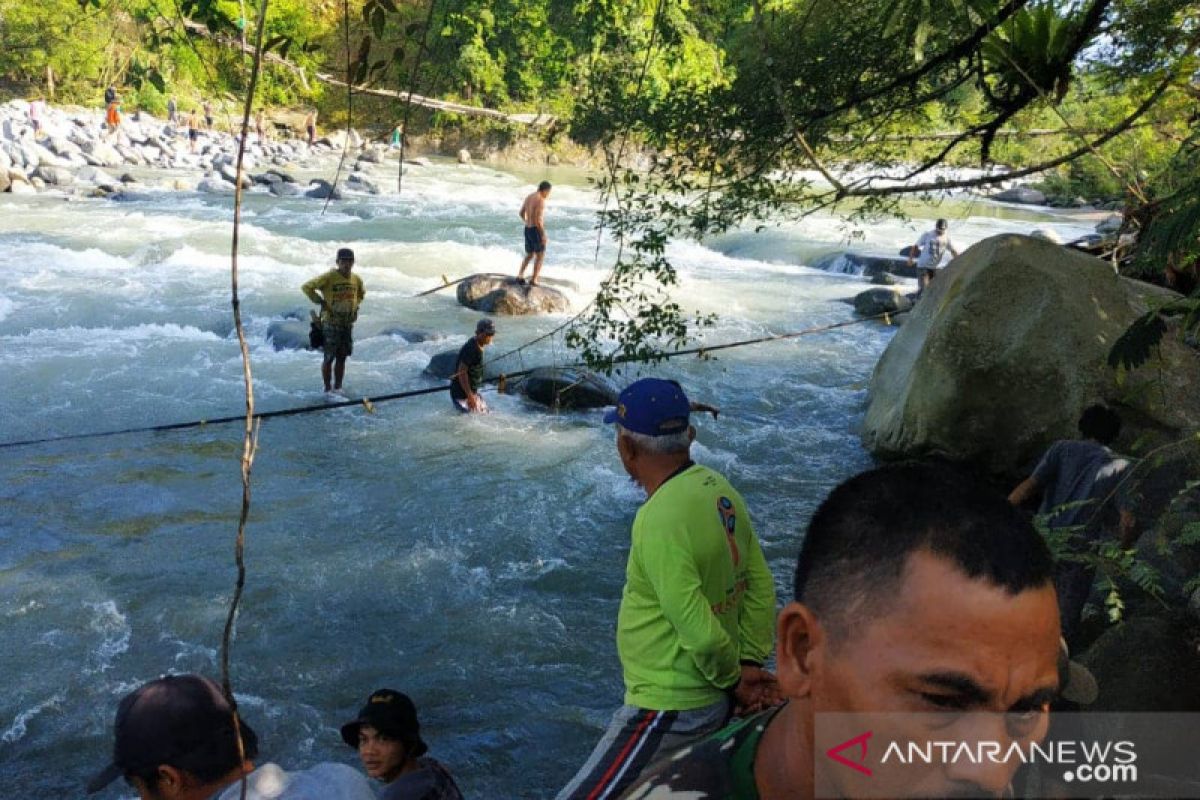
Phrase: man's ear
(800, 638)
(171, 782)
(626, 448)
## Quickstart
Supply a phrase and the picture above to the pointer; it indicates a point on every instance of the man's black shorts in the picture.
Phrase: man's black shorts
(533, 241)
(339, 340)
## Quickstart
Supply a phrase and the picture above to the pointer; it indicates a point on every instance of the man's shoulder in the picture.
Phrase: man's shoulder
(319, 782)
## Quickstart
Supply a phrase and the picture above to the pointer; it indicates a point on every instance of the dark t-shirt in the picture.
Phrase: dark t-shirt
(471, 355)
(718, 767)
(1080, 475)
(431, 782)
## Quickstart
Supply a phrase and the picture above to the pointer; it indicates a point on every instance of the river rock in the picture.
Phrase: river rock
(283, 189)
(54, 176)
(501, 294)
(877, 301)
(1022, 194)
(407, 334)
(464, 156)
(1110, 224)
(266, 178)
(321, 189)
(568, 388)
(1145, 664)
(884, 279)
(288, 334)
(419, 162)
(215, 186)
(1047, 235)
(284, 176)
(442, 365)
(22, 187)
(864, 264)
(372, 155)
(102, 153)
(1007, 348)
(229, 173)
(362, 183)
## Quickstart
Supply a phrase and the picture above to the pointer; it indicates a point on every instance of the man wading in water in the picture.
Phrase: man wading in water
(532, 212)
(339, 294)
(468, 370)
(931, 246)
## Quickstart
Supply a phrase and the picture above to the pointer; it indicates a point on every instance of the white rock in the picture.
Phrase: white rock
(21, 187)
(464, 156)
(1110, 224)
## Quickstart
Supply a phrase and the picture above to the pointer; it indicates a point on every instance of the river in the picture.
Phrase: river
(474, 563)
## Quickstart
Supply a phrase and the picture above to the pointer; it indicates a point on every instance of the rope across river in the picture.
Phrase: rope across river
(370, 402)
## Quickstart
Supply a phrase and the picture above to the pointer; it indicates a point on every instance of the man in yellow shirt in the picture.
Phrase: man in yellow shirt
(339, 294)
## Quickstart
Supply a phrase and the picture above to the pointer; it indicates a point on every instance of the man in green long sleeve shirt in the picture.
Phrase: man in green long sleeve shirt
(698, 611)
(338, 293)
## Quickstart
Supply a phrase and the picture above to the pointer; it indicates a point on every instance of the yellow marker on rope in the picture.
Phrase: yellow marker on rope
(886, 319)
(445, 281)
(368, 405)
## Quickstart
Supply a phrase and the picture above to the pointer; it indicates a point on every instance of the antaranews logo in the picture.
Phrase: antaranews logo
(858, 744)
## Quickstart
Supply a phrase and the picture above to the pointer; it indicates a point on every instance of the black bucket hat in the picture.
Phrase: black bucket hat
(391, 713)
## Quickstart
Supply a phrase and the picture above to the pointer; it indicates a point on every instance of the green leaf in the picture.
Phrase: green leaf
(1133, 347)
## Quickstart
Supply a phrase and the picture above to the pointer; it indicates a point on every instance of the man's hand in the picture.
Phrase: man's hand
(757, 690)
(474, 402)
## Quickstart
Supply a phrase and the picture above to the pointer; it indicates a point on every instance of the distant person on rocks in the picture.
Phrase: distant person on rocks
(193, 129)
(175, 740)
(208, 115)
(339, 294)
(468, 370)
(387, 736)
(172, 111)
(112, 117)
(310, 127)
(532, 214)
(928, 252)
(697, 614)
(260, 126)
(918, 590)
(37, 107)
(397, 137)
(1079, 484)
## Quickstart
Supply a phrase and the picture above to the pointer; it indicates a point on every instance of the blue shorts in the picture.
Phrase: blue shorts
(533, 241)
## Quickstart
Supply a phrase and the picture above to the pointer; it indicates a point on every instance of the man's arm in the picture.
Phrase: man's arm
(670, 567)
(1128, 528)
(1026, 490)
(310, 290)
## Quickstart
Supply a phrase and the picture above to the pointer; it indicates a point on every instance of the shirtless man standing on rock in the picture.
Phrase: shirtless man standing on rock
(532, 212)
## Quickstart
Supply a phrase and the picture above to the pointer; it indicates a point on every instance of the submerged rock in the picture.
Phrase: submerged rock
(863, 264)
(558, 387)
(1021, 194)
(873, 302)
(1006, 349)
(502, 294)
(288, 334)
(321, 189)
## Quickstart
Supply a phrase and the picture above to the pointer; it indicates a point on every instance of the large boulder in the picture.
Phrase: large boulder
(284, 189)
(322, 189)
(1005, 350)
(1146, 665)
(874, 302)
(1021, 194)
(568, 388)
(502, 294)
(443, 364)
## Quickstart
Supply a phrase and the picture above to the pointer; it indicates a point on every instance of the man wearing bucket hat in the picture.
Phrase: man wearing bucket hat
(696, 621)
(468, 370)
(174, 740)
(387, 735)
(339, 294)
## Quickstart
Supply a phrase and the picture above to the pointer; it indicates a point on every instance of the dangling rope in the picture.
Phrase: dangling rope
(412, 78)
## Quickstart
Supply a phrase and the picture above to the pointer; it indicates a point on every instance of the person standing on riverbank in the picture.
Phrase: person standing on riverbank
(468, 370)
(310, 127)
(175, 738)
(172, 111)
(208, 115)
(532, 213)
(928, 252)
(193, 129)
(917, 589)
(260, 126)
(697, 613)
(37, 107)
(112, 117)
(339, 294)
(387, 736)
(1077, 479)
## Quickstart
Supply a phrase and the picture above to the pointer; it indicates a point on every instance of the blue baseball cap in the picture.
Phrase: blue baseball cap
(653, 407)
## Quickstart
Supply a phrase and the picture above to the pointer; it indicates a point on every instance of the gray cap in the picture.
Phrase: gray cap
(485, 326)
